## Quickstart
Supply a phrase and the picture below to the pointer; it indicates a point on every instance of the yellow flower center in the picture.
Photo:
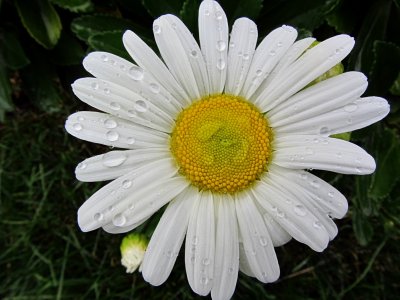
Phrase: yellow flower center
(221, 143)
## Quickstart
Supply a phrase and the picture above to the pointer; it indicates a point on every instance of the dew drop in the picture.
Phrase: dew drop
(80, 119)
(195, 240)
(330, 194)
(259, 73)
(140, 106)
(136, 73)
(110, 123)
(324, 131)
(309, 151)
(119, 220)
(132, 206)
(221, 64)
(358, 170)
(131, 113)
(339, 155)
(115, 106)
(157, 29)
(82, 166)
(77, 126)
(230, 270)
(300, 210)
(113, 159)
(193, 53)
(272, 52)
(107, 91)
(112, 136)
(350, 107)
(221, 46)
(218, 15)
(130, 140)
(232, 44)
(206, 261)
(246, 56)
(155, 88)
(314, 184)
(279, 44)
(95, 85)
(280, 214)
(104, 58)
(170, 254)
(204, 280)
(263, 241)
(98, 217)
(317, 224)
(303, 176)
(207, 12)
(127, 183)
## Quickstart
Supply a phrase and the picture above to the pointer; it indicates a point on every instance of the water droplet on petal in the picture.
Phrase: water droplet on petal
(130, 140)
(204, 280)
(157, 29)
(136, 73)
(127, 183)
(95, 85)
(110, 123)
(330, 194)
(119, 220)
(82, 166)
(324, 131)
(232, 44)
(309, 151)
(112, 136)
(259, 72)
(246, 56)
(263, 241)
(193, 53)
(350, 107)
(155, 88)
(207, 12)
(113, 159)
(218, 15)
(272, 52)
(80, 118)
(98, 217)
(279, 44)
(77, 126)
(140, 106)
(206, 261)
(115, 106)
(300, 210)
(280, 214)
(221, 46)
(104, 58)
(317, 224)
(220, 64)
(195, 240)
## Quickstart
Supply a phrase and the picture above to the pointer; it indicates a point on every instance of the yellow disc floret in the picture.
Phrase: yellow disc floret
(221, 143)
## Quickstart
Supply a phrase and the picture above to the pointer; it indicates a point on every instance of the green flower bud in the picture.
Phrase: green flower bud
(133, 247)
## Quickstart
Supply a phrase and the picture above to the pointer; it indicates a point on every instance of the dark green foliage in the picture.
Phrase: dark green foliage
(43, 254)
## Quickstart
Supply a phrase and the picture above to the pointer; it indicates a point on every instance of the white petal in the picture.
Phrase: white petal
(242, 45)
(121, 102)
(291, 214)
(352, 116)
(267, 55)
(301, 194)
(145, 57)
(244, 265)
(321, 153)
(213, 34)
(114, 164)
(111, 228)
(111, 131)
(278, 235)
(125, 195)
(257, 243)
(110, 67)
(182, 55)
(313, 63)
(200, 245)
(167, 238)
(319, 98)
(292, 54)
(226, 265)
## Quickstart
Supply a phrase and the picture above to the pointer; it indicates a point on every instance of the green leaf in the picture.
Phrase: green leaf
(363, 229)
(189, 15)
(86, 26)
(75, 5)
(5, 93)
(385, 67)
(388, 164)
(395, 88)
(242, 8)
(68, 51)
(13, 54)
(157, 8)
(109, 42)
(41, 21)
(372, 29)
(345, 17)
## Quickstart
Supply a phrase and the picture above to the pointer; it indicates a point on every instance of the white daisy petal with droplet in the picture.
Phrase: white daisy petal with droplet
(122, 102)
(354, 115)
(167, 238)
(213, 35)
(226, 265)
(320, 98)
(317, 152)
(111, 228)
(326, 197)
(291, 55)
(258, 247)
(244, 265)
(267, 55)
(200, 245)
(313, 63)
(114, 164)
(111, 131)
(118, 197)
(242, 45)
(145, 57)
(291, 214)
(182, 55)
(278, 235)
(110, 67)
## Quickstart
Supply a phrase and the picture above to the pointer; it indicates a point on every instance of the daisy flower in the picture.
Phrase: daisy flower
(222, 134)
